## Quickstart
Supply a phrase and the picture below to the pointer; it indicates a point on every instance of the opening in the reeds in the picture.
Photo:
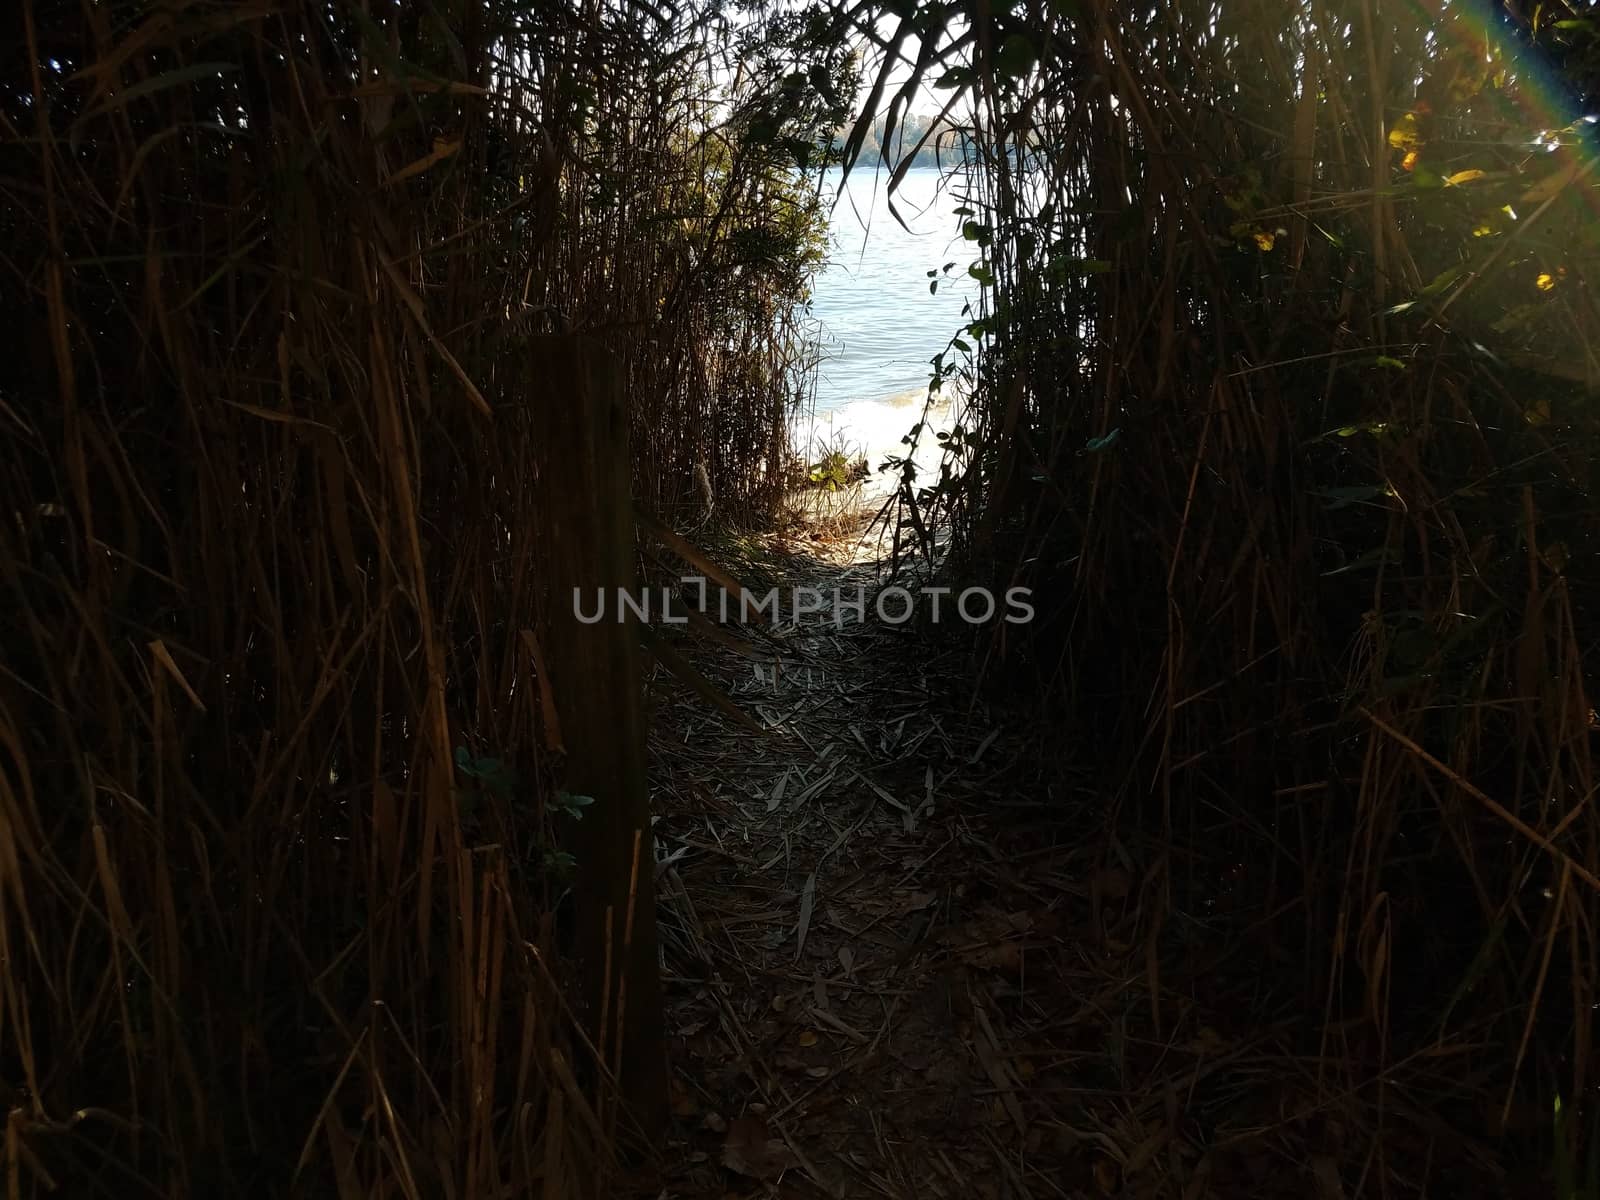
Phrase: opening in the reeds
(992, 598)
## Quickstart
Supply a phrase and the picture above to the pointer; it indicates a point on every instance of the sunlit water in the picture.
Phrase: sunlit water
(879, 325)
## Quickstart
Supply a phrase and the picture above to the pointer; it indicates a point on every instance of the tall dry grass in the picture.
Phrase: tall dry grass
(1286, 406)
(277, 871)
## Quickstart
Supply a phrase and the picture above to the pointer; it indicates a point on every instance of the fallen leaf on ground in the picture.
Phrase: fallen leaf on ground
(1002, 956)
(1046, 922)
(683, 1104)
(1106, 1174)
(751, 1152)
(992, 926)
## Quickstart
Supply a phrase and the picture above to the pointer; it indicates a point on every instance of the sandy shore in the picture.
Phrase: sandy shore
(875, 429)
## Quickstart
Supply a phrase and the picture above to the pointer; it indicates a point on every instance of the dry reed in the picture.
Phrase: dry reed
(1285, 405)
(276, 871)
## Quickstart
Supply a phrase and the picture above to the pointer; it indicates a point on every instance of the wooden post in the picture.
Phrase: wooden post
(586, 544)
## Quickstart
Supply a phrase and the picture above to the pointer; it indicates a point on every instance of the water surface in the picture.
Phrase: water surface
(878, 324)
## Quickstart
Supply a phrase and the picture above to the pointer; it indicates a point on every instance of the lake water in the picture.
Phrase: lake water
(878, 324)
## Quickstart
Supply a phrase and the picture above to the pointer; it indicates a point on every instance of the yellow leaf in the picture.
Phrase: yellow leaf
(1406, 134)
(1461, 177)
(1409, 162)
(808, 1038)
(443, 148)
(1545, 282)
(1471, 78)
(163, 656)
(1483, 231)
(1107, 1176)
(1265, 239)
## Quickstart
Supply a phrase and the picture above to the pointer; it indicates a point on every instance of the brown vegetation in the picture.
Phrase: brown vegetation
(1285, 407)
(278, 779)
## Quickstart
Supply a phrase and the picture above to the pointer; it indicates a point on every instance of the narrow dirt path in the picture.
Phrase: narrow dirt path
(907, 953)
(864, 988)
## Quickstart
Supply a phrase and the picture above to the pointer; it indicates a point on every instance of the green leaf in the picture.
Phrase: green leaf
(573, 804)
(492, 774)
(1443, 280)
(1100, 443)
(1377, 428)
(1017, 56)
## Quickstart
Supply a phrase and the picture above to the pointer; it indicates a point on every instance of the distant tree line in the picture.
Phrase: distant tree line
(943, 147)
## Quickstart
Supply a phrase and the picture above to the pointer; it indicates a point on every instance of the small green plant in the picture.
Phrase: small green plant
(837, 469)
(499, 779)
(571, 804)
(491, 774)
(559, 864)
(488, 775)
